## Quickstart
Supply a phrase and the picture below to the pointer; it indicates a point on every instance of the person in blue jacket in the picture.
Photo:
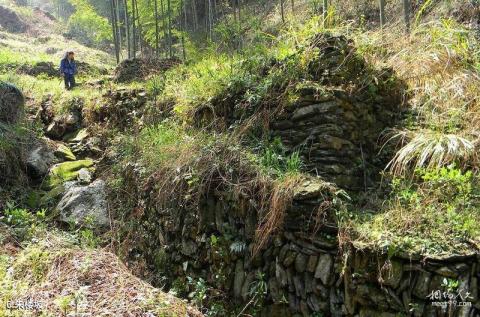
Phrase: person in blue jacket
(68, 68)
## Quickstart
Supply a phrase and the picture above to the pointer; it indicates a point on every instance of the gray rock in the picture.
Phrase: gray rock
(309, 189)
(299, 286)
(304, 308)
(314, 303)
(281, 275)
(393, 275)
(85, 205)
(293, 302)
(309, 282)
(312, 263)
(324, 269)
(300, 263)
(336, 300)
(311, 110)
(247, 284)
(239, 279)
(64, 124)
(38, 160)
(84, 176)
(189, 247)
(365, 312)
(289, 258)
(283, 252)
(11, 103)
(51, 50)
(446, 271)
(275, 292)
(55, 130)
(422, 285)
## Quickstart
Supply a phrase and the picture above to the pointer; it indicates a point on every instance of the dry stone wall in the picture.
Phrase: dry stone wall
(337, 134)
(305, 270)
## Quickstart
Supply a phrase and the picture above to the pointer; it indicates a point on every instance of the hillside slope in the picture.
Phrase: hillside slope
(324, 169)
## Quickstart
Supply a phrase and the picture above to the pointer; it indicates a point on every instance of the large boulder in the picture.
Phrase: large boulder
(11, 103)
(39, 159)
(10, 21)
(65, 123)
(85, 205)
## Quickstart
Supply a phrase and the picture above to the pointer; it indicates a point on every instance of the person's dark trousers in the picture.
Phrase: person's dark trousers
(69, 81)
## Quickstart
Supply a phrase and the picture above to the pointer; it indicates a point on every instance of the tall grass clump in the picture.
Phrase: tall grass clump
(431, 150)
(439, 62)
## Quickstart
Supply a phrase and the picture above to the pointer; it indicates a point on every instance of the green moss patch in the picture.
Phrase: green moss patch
(63, 152)
(64, 172)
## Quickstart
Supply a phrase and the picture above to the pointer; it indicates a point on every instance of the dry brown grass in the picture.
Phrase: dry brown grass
(281, 198)
(439, 62)
(91, 282)
(426, 149)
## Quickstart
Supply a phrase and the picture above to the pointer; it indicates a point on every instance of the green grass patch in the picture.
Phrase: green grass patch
(436, 213)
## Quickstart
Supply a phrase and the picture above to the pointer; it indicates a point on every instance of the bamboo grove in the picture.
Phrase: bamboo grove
(168, 28)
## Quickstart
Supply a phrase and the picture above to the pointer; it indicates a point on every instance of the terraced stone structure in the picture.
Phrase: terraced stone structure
(306, 269)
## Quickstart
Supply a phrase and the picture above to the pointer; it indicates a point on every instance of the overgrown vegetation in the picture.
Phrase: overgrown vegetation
(213, 135)
(435, 213)
(64, 278)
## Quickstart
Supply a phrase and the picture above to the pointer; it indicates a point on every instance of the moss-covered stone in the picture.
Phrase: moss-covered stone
(63, 152)
(76, 136)
(65, 171)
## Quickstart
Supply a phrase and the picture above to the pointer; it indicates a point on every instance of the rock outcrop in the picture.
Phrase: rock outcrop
(11, 103)
(123, 108)
(39, 159)
(10, 21)
(11, 155)
(85, 205)
(305, 271)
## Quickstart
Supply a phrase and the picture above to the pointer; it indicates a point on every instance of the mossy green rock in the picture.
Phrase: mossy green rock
(76, 136)
(63, 152)
(64, 172)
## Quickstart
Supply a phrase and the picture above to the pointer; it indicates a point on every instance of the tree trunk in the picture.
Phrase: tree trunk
(282, 11)
(325, 12)
(157, 47)
(195, 15)
(165, 31)
(207, 18)
(114, 30)
(183, 7)
(293, 6)
(215, 11)
(382, 13)
(210, 18)
(235, 9)
(118, 24)
(139, 27)
(406, 14)
(127, 30)
(170, 48)
(240, 39)
(134, 35)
